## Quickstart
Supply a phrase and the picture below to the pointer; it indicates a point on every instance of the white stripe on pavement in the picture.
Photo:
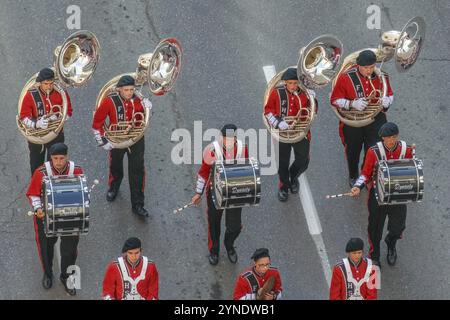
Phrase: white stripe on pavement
(309, 207)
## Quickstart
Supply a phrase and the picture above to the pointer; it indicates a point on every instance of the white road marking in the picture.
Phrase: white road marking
(309, 207)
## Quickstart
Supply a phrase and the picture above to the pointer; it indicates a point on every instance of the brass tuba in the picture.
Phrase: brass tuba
(159, 70)
(74, 64)
(317, 66)
(404, 46)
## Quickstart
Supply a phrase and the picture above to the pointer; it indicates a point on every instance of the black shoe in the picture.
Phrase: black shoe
(213, 259)
(70, 292)
(232, 255)
(47, 281)
(283, 195)
(111, 195)
(294, 186)
(391, 255)
(140, 211)
(351, 182)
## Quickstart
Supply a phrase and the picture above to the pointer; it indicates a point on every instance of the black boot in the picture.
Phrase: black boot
(392, 253)
(47, 281)
(140, 211)
(232, 255)
(294, 186)
(111, 194)
(70, 292)
(213, 259)
(283, 195)
(351, 182)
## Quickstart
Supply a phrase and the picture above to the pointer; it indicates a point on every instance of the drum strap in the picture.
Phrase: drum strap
(254, 285)
(403, 152)
(383, 152)
(240, 149)
(118, 104)
(217, 151)
(131, 292)
(359, 90)
(219, 154)
(283, 101)
(71, 168)
(38, 102)
(354, 287)
(48, 168)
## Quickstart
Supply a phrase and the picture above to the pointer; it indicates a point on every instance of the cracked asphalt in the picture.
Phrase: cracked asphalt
(226, 44)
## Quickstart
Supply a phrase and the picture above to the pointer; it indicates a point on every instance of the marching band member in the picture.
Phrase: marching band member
(58, 165)
(288, 100)
(229, 147)
(122, 106)
(351, 91)
(354, 278)
(390, 148)
(261, 281)
(132, 276)
(37, 103)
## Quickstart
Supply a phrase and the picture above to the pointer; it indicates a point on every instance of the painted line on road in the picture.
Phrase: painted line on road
(309, 207)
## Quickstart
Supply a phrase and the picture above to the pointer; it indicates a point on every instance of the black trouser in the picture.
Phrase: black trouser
(377, 215)
(68, 249)
(136, 170)
(300, 164)
(354, 139)
(38, 151)
(233, 225)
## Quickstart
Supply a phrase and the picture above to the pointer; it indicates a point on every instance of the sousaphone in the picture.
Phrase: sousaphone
(318, 64)
(404, 47)
(159, 70)
(74, 64)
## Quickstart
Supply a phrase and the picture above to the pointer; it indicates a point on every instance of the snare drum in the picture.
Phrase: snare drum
(236, 184)
(399, 181)
(66, 205)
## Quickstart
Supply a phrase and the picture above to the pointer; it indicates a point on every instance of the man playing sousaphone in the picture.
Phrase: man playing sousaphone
(259, 282)
(123, 105)
(355, 89)
(289, 100)
(40, 107)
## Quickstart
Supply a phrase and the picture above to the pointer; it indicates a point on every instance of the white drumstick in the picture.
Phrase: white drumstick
(182, 208)
(338, 195)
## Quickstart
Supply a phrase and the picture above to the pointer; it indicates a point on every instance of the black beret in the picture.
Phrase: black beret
(366, 58)
(260, 253)
(388, 129)
(125, 81)
(130, 244)
(58, 149)
(45, 74)
(290, 74)
(354, 244)
(228, 130)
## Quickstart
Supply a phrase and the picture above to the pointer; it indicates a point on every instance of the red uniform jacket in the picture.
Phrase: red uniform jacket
(29, 108)
(108, 109)
(35, 187)
(273, 106)
(113, 282)
(209, 157)
(245, 290)
(344, 88)
(372, 160)
(338, 287)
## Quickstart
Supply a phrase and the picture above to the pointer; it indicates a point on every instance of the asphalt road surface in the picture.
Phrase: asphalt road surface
(226, 44)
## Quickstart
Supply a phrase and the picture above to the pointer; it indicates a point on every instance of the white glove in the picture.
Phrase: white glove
(53, 117)
(359, 104)
(283, 125)
(312, 93)
(108, 146)
(42, 123)
(385, 102)
(147, 103)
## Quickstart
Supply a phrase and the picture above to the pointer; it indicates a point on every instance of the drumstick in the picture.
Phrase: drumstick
(338, 195)
(182, 208)
(31, 213)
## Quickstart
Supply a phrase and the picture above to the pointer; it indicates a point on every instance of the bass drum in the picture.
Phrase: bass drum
(236, 184)
(399, 181)
(66, 203)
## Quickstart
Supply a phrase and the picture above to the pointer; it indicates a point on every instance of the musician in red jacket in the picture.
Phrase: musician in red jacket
(354, 278)
(228, 148)
(123, 105)
(390, 148)
(36, 105)
(351, 92)
(250, 283)
(289, 100)
(59, 165)
(132, 276)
